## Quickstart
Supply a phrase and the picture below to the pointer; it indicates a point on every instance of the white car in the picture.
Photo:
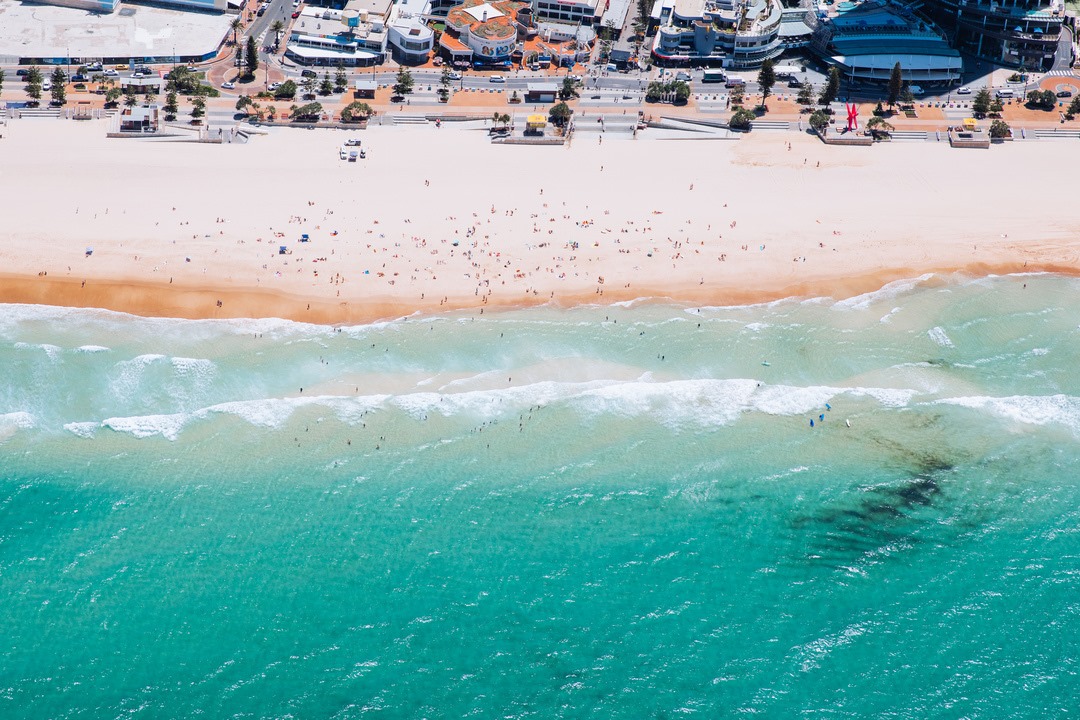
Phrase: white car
(46, 85)
(138, 75)
(228, 85)
(496, 79)
(454, 75)
(111, 73)
(272, 87)
(963, 91)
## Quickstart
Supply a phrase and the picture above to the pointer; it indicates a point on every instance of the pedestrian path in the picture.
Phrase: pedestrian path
(1060, 73)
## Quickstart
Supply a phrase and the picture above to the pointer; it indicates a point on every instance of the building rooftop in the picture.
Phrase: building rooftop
(374, 7)
(50, 31)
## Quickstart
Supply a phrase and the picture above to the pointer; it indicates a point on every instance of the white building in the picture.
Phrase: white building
(361, 34)
(108, 6)
(586, 12)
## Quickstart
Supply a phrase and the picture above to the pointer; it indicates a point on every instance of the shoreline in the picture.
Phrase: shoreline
(438, 220)
(152, 300)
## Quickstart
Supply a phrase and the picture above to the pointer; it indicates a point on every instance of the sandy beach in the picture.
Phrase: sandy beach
(438, 218)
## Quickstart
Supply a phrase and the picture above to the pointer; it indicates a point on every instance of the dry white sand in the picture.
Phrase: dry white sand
(439, 218)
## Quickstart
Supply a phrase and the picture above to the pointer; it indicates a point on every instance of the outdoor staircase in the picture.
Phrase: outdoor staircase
(40, 112)
(771, 125)
(1057, 134)
(909, 135)
(408, 119)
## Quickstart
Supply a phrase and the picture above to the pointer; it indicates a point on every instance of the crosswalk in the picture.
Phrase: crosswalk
(1060, 73)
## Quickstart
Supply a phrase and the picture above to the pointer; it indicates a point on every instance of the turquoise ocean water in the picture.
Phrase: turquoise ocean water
(611, 512)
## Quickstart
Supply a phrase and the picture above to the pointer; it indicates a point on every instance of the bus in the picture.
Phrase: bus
(713, 76)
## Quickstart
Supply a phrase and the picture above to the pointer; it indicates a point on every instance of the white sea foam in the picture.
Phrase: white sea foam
(91, 349)
(681, 403)
(144, 426)
(891, 290)
(83, 429)
(938, 335)
(1027, 409)
(1040, 351)
(51, 350)
(756, 326)
(19, 419)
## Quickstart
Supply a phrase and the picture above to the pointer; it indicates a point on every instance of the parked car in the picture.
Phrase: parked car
(963, 90)
(46, 85)
(111, 73)
(261, 11)
(309, 73)
(496, 79)
(228, 85)
(1064, 93)
(295, 14)
(79, 77)
(454, 75)
(682, 75)
(273, 86)
(94, 67)
(22, 72)
(138, 75)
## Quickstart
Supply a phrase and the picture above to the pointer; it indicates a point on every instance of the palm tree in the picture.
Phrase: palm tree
(235, 26)
(276, 27)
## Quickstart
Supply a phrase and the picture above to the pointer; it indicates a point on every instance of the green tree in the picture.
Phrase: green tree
(741, 119)
(112, 95)
(277, 27)
(251, 57)
(404, 84)
(766, 79)
(980, 105)
(130, 99)
(171, 106)
(906, 95)
(569, 89)
(286, 90)
(59, 87)
(999, 129)
(832, 87)
(33, 83)
(444, 84)
(1, 80)
(896, 83)
(560, 114)
(243, 104)
(1074, 106)
(341, 79)
(806, 94)
(736, 95)
(356, 111)
(198, 108)
(308, 112)
(654, 92)
(819, 120)
(879, 126)
(996, 107)
(681, 90)
(235, 26)
(326, 87)
(309, 84)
